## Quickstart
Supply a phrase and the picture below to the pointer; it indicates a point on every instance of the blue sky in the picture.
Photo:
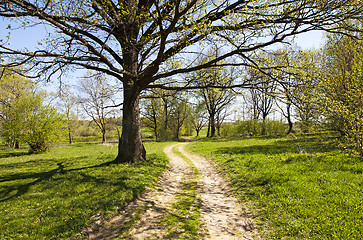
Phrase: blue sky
(313, 39)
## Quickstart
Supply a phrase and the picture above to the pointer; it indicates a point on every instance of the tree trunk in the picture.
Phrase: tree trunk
(17, 145)
(155, 121)
(197, 130)
(264, 116)
(212, 125)
(289, 119)
(263, 133)
(103, 135)
(69, 135)
(177, 129)
(130, 149)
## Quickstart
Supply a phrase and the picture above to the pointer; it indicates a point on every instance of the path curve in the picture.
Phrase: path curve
(221, 215)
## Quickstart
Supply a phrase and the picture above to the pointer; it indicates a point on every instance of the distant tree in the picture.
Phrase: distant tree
(296, 73)
(180, 114)
(198, 116)
(67, 105)
(157, 110)
(215, 99)
(166, 113)
(306, 92)
(286, 82)
(262, 94)
(252, 100)
(151, 114)
(97, 100)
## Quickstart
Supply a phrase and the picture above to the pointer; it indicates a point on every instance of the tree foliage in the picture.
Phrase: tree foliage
(26, 118)
(342, 83)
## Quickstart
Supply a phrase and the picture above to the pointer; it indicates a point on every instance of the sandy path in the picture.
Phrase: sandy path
(148, 227)
(221, 215)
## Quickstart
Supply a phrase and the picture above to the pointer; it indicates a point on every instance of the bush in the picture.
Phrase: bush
(30, 121)
(253, 127)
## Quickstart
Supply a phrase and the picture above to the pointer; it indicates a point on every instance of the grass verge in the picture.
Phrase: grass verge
(55, 195)
(302, 188)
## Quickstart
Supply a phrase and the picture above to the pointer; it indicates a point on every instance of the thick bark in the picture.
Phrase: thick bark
(130, 149)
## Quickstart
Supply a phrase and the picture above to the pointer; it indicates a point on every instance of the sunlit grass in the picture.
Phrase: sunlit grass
(54, 195)
(300, 188)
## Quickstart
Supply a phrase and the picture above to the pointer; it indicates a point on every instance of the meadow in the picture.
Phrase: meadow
(298, 188)
(56, 194)
(304, 187)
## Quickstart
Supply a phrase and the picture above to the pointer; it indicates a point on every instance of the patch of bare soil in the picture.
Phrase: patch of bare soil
(221, 215)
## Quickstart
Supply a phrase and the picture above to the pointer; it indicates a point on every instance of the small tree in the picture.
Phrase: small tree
(199, 118)
(262, 95)
(215, 99)
(67, 105)
(97, 100)
(29, 120)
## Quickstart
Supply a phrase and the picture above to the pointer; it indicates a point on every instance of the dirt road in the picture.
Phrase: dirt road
(191, 201)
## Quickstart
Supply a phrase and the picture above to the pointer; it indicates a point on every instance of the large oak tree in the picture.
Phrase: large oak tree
(135, 40)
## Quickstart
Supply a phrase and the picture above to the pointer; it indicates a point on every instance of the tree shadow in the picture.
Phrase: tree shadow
(301, 145)
(21, 189)
(14, 154)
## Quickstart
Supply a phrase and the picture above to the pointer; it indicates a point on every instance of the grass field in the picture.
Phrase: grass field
(302, 188)
(54, 195)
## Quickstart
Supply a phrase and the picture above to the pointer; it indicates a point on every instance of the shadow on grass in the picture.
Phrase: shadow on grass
(14, 154)
(21, 189)
(301, 145)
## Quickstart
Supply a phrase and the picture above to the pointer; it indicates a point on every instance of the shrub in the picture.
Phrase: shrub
(253, 127)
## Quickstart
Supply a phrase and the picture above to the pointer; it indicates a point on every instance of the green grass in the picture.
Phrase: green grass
(301, 188)
(54, 195)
